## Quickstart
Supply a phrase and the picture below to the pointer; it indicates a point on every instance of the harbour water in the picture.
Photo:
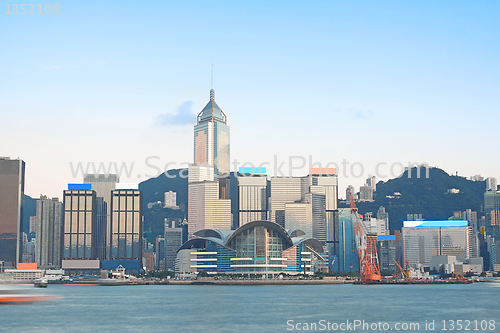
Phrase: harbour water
(163, 308)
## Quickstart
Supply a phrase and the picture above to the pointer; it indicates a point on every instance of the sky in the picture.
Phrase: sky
(367, 86)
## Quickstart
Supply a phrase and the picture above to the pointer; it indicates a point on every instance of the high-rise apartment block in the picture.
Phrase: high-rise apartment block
(11, 210)
(372, 183)
(48, 233)
(171, 200)
(366, 193)
(491, 184)
(32, 224)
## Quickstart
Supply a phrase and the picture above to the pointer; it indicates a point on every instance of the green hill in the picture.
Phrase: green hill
(154, 190)
(426, 196)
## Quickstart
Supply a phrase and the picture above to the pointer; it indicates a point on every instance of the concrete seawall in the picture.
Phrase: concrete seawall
(254, 282)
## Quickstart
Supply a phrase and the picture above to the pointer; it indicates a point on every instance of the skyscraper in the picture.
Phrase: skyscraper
(424, 239)
(283, 191)
(208, 202)
(371, 182)
(173, 241)
(48, 233)
(252, 199)
(347, 256)
(383, 215)
(126, 225)
(103, 184)
(299, 216)
(11, 210)
(80, 223)
(318, 190)
(365, 193)
(492, 207)
(205, 208)
(211, 137)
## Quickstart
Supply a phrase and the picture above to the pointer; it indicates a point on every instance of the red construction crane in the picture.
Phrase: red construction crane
(367, 247)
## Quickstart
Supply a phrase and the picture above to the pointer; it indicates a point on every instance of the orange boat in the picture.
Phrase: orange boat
(16, 294)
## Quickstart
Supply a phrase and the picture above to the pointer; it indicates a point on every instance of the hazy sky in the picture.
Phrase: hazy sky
(368, 82)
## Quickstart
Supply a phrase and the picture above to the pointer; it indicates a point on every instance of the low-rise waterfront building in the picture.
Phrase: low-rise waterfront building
(258, 247)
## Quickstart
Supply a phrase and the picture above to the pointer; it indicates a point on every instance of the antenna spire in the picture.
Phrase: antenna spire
(212, 92)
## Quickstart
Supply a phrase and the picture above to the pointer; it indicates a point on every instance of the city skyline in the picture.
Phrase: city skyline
(395, 86)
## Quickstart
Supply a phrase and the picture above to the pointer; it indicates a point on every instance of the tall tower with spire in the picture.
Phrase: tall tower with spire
(209, 206)
(211, 138)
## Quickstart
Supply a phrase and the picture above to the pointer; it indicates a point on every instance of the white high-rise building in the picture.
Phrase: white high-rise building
(252, 199)
(424, 239)
(372, 183)
(491, 184)
(205, 209)
(301, 194)
(366, 193)
(171, 200)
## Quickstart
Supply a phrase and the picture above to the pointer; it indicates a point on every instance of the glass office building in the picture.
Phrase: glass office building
(261, 247)
(211, 137)
(424, 239)
(11, 210)
(103, 184)
(80, 222)
(492, 207)
(347, 258)
(126, 225)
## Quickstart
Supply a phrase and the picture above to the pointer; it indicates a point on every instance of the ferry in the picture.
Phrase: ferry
(41, 283)
(19, 294)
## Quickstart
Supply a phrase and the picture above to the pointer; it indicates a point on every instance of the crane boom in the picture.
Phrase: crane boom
(367, 247)
(405, 273)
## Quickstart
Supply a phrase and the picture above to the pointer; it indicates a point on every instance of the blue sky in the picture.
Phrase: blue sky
(368, 82)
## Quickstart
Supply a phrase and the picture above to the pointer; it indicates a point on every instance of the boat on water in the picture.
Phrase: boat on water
(116, 278)
(19, 294)
(41, 283)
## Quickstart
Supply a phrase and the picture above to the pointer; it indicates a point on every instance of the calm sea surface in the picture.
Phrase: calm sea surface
(255, 308)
